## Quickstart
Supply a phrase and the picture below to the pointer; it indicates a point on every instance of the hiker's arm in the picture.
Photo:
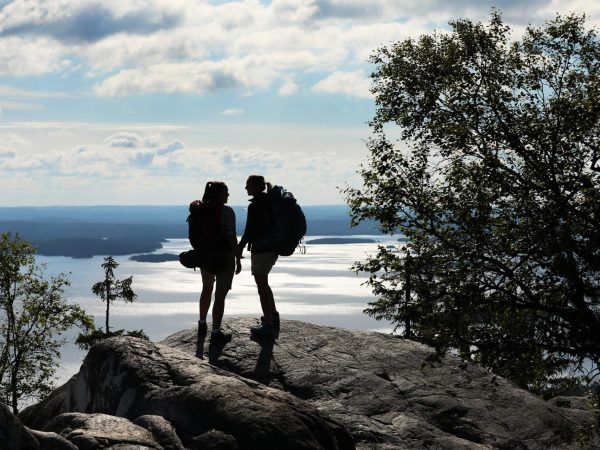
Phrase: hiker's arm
(230, 233)
(238, 253)
(249, 230)
(243, 242)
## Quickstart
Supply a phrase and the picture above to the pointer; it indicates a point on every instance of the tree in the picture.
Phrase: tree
(495, 180)
(33, 315)
(109, 290)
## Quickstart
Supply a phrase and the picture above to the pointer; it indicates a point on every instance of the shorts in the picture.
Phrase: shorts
(262, 263)
(224, 277)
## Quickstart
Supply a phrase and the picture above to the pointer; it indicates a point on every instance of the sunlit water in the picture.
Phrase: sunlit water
(316, 287)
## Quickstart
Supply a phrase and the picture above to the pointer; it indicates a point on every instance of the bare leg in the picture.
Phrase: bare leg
(267, 301)
(218, 309)
(205, 298)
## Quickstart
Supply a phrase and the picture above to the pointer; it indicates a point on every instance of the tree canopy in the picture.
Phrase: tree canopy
(495, 180)
(33, 316)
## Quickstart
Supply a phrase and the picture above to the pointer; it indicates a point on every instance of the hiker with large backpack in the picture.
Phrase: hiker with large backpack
(274, 227)
(212, 234)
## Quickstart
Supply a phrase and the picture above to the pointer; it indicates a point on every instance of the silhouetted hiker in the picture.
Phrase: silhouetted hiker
(212, 234)
(263, 260)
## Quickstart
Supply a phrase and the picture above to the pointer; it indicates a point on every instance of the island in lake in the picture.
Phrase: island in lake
(155, 258)
(341, 241)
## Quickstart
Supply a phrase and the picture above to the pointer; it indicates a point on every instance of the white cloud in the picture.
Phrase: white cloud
(13, 140)
(170, 148)
(119, 156)
(348, 83)
(292, 11)
(232, 112)
(197, 47)
(152, 141)
(177, 45)
(124, 139)
(255, 159)
(94, 172)
(195, 78)
(288, 88)
(20, 56)
(28, 162)
(85, 20)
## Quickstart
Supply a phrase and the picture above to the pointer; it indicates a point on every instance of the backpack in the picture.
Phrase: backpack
(287, 223)
(205, 232)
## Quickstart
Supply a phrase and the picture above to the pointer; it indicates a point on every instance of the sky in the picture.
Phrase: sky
(144, 101)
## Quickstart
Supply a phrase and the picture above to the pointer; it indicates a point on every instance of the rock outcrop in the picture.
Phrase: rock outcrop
(125, 380)
(394, 393)
(13, 435)
(314, 388)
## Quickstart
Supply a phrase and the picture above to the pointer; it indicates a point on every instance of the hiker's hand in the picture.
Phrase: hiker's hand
(238, 266)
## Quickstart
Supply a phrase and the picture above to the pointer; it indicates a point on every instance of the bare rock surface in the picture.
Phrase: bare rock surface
(16, 436)
(162, 430)
(314, 388)
(52, 441)
(126, 378)
(214, 439)
(13, 434)
(394, 393)
(101, 431)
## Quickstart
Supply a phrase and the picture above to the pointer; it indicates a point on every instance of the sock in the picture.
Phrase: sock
(216, 330)
(202, 322)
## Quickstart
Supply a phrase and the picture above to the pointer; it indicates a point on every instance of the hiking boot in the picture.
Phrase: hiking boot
(200, 340)
(219, 337)
(274, 320)
(264, 331)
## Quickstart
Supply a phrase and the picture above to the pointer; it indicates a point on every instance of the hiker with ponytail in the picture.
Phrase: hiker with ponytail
(213, 236)
(262, 260)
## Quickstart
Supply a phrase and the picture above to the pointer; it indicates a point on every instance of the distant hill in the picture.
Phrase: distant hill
(341, 241)
(85, 231)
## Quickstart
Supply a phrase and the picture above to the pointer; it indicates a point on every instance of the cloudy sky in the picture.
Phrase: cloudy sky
(143, 101)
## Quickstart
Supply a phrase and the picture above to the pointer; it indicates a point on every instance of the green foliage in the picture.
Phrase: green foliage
(86, 341)
(495, 181)
(33, 315)
(109, 290)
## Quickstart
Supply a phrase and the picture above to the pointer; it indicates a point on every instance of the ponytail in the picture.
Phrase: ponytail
(212, 189)
(260, 183)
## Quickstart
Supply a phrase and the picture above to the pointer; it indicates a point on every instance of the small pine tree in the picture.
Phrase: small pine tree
(109, 290)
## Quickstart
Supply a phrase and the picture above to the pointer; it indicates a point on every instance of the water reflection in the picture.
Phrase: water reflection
(317, 287)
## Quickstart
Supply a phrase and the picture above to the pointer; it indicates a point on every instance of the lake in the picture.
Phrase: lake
(316, 287)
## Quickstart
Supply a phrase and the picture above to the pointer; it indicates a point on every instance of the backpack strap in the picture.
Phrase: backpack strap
(219, 216)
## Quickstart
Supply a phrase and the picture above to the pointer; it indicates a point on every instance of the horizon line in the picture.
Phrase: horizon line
(139, 205)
